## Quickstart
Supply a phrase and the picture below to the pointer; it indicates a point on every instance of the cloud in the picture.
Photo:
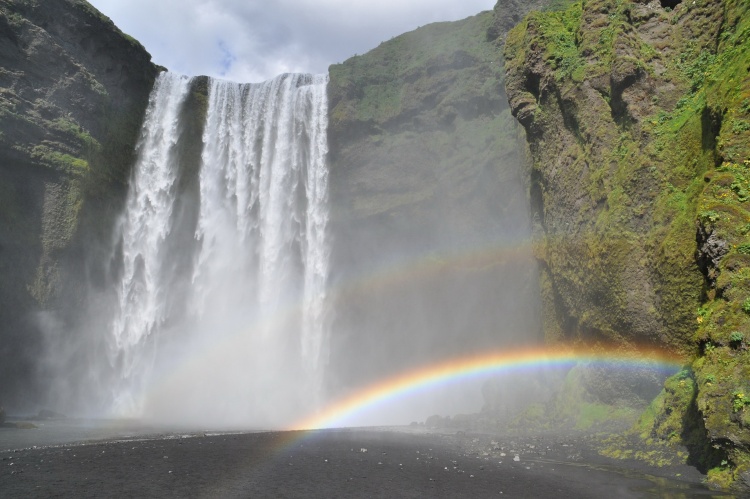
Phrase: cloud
(254, 40)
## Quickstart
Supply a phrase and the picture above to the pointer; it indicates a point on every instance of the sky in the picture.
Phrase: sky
(255, 40)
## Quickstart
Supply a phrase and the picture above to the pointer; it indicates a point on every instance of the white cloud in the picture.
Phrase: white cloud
(254, 40)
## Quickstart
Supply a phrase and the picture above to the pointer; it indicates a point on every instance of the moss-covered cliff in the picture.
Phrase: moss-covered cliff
(73, 90)
(427, 200)
(636, 115)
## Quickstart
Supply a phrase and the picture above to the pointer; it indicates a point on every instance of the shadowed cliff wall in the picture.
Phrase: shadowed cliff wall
(429, 221)
(73, 90)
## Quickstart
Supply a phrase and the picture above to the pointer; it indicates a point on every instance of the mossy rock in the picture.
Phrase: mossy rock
(648, 107)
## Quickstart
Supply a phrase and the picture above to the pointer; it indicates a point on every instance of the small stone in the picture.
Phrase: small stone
(516, 458)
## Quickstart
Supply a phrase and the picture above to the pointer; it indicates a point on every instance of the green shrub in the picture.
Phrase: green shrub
(736, 339)
(740, 126)
(709, 216)
(739, 401)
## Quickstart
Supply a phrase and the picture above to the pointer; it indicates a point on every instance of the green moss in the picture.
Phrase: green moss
(591, 414)
(641, 173)
(62, 161)
(721, 476)
(646, 204)
(557, 5)
(535, 415)
(579, 406)
(557, 29)
(391, 79)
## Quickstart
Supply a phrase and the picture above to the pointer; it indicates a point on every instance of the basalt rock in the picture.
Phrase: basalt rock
(427, 201)
(73, 90)
(637, 116)
(711, 249)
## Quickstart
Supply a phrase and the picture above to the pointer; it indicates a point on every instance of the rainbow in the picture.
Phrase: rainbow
(453, 370)
(388, 276)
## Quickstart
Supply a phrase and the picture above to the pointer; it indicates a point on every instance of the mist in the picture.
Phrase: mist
(267, 265)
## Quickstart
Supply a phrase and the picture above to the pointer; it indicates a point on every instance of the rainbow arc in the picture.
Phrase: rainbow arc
(495, 363)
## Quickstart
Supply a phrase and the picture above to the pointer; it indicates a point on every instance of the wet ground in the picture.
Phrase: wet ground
(137, 461)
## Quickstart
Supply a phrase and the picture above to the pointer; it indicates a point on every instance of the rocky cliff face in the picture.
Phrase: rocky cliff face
(73, 89)
(428, 202)
(637, 116)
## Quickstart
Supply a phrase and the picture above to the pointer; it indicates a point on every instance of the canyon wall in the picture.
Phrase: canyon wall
(637, 116)
(636, 120)
(429, 218)
(73, 90)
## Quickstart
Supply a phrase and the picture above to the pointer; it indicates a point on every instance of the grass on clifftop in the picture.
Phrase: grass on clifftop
(386, 71)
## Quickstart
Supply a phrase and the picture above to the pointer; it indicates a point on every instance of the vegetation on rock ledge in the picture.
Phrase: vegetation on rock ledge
(638, 124)
(73, 90)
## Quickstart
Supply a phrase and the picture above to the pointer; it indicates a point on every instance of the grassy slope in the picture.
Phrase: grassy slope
(414, 135)
(416, 92)
(424, 167)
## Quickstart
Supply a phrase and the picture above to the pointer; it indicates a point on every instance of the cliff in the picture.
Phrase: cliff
(637, 116)
(637, 121)
(428, 209)
(73, 90)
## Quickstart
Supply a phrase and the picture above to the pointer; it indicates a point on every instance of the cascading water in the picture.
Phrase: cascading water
(238, 335)
(144, 228)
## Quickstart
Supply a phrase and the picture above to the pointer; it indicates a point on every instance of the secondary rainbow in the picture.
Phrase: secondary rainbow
(486, 364)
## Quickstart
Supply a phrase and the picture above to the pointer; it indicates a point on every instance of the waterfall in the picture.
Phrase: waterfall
(240, 332)
(141, 290)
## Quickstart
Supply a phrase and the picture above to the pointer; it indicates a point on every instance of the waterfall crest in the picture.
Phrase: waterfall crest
(239, 332)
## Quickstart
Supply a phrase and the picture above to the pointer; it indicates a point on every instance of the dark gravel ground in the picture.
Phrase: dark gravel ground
(379, 462)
